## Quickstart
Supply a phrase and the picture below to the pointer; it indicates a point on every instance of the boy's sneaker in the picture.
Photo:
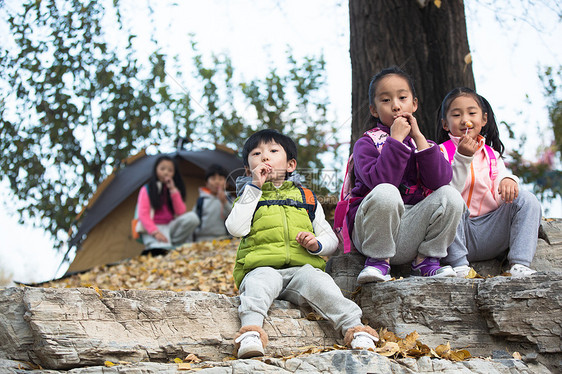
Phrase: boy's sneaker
(430, 267)
(363, 340)
(462, 271)
(518, 270)
(374, 271)
(250, 345)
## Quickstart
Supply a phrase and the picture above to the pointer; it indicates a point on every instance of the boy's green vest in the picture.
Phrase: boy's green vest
(272, 237)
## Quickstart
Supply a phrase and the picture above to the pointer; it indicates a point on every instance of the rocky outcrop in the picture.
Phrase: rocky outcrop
(77, 330)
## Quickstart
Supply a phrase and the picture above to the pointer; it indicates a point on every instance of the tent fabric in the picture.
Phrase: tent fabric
(123, 187)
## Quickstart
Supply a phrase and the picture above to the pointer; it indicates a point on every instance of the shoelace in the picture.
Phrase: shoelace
(251, 334)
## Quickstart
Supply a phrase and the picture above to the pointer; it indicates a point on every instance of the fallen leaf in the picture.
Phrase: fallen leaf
(409, 341)
(473, 274)
(184, 366)
(437, 3)
(314, 317)
(388, 349)
(98, 291)
(109, 364)
(517, 355)
(442, 349)
(192, 358)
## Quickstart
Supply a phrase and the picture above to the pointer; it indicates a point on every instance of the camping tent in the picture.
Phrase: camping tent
(103, 233)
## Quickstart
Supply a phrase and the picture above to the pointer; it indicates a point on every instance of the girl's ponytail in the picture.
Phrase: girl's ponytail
(491, 131)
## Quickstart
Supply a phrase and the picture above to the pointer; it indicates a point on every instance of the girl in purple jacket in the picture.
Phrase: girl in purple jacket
(402, 209)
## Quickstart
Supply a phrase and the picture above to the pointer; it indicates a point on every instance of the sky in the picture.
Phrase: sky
(506, 54)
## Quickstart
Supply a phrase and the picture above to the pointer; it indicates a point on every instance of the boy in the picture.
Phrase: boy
(278, 256)
(213, 205)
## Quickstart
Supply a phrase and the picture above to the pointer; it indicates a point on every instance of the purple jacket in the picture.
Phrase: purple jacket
(397, 164)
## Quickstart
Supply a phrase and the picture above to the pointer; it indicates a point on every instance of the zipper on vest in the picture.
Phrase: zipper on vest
(286, 235)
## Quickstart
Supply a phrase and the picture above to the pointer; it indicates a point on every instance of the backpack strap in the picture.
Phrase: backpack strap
(493, 162)
(451, 148)
(199, 208)
(309, 202)
(377, 136)
(136, 225)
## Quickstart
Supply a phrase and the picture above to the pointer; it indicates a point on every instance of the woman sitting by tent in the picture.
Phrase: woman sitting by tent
(163, 218)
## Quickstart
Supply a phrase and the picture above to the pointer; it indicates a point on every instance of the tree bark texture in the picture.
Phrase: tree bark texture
(428, 42)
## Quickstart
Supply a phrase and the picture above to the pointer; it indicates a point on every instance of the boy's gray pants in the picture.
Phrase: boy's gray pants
(301, 285)
(386, 228)
(179, 231)
(514, 226)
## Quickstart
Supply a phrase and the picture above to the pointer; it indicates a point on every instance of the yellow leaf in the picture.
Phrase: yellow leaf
(314, 317)
(472, 274)
(184, 366)
(178, 360)
(442, 349)
(468, 58)
(192, 358)
(409, 341)
(100, 294)
(109, 364)
(389, 336)
(460, 355)
(437, 3)
(388, 349)
(517, 356)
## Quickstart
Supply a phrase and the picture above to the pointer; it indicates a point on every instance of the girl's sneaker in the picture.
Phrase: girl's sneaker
(374, 271)
(430, 267)
(462, 271)
(518, 270)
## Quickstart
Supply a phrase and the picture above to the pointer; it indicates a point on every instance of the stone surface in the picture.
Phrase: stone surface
(482, 315)
(76, 330)
(66, 328)
(335, 362)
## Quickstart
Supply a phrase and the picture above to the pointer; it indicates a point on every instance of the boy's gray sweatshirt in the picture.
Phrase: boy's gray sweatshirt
(213, 215)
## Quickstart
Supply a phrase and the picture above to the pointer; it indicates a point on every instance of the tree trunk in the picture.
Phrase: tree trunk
(427, 42)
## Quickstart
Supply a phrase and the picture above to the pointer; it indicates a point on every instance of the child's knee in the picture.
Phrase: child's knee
(452, 197)
(529, 201)
(383, 197)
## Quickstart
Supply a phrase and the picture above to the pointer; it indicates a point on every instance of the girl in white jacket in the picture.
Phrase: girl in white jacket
(500, 218)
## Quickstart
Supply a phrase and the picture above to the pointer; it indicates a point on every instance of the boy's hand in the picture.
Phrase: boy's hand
(308, 241)
(260, 174)
(508, 190)
(221, 193)
(467, 146)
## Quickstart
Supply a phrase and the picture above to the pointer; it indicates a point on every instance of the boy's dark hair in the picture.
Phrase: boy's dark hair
(490, 131)
(154, 195)
(215, 169)
(383, 73)
(267, 136)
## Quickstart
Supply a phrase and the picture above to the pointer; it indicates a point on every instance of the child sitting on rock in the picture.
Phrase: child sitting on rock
(284, 233)
(213, 205)
(500, 218)
(402, 209)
